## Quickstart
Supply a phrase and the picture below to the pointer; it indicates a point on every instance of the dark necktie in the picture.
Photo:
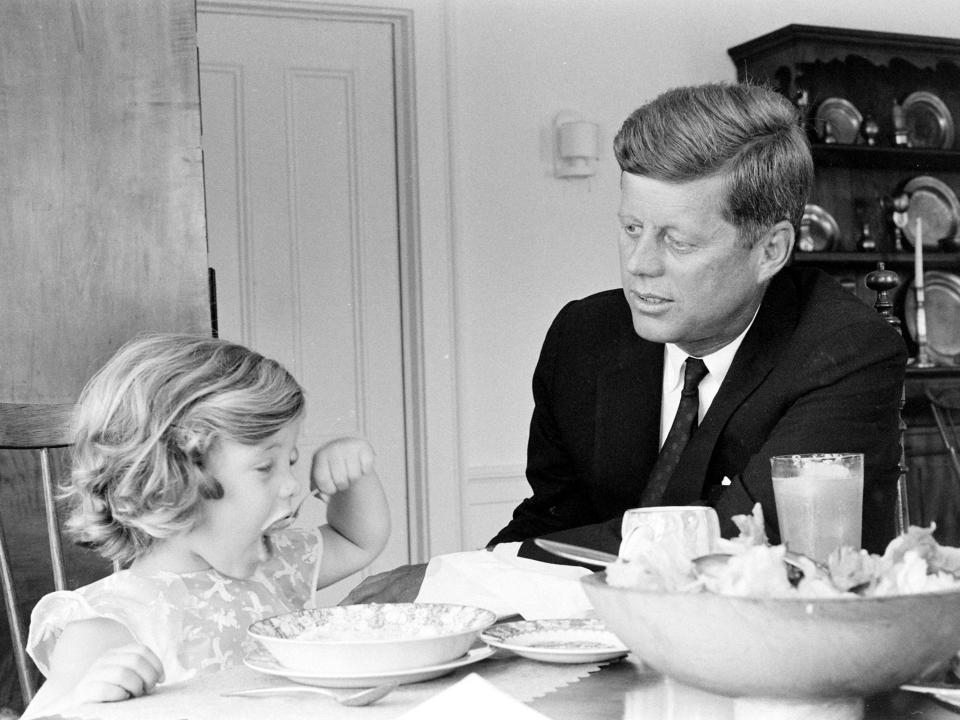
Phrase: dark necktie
(684, 423)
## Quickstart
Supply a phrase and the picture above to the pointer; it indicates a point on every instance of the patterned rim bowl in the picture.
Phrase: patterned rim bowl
(371, 638)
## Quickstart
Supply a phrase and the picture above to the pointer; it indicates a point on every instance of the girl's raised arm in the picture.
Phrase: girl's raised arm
(358, 519)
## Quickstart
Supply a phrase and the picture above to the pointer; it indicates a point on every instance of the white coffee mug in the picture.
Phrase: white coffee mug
(691, 530)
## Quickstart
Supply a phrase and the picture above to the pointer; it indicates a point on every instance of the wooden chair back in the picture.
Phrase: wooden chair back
(38, 429)
(945, 406)
(883, 281)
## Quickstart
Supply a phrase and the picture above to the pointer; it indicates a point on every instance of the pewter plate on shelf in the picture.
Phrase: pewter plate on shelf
(941, 303)
(935, 202)
(844, 119)
(929, 122)
(818, 230)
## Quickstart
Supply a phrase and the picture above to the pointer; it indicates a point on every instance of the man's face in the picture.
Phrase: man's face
(685, 276)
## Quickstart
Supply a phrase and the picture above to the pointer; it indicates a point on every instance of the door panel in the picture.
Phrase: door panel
(300, 171)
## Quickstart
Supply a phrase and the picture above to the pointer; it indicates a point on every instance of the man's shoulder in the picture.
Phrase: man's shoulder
(592, 329)
(603, 305)
(825, 307)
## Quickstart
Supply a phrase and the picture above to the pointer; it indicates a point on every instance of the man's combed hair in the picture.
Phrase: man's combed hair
(749, 135)
(144, 425)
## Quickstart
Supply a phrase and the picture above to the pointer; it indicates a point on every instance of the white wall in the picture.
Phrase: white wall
(524, 242)
(505, 244)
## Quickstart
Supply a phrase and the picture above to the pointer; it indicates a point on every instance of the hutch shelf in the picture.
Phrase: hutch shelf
(856, 181)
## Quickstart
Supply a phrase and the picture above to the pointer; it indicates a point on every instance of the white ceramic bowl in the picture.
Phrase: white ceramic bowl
(371, 638)
(783, 648)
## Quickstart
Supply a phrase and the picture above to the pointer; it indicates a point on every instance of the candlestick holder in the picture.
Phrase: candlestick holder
(922, 359)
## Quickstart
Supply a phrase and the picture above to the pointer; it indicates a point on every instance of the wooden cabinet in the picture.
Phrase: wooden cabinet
(102, 217)
(856, 181)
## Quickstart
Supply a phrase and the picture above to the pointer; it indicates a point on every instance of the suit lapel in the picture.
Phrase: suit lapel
(758, 354)
(628, 421)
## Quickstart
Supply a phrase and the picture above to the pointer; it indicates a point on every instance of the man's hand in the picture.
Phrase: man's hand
(402, 584)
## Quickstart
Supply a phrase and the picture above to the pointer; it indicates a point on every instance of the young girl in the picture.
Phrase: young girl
(183, 473)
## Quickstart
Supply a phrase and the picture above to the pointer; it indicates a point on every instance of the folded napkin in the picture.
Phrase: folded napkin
(472, 698)
(507, 585)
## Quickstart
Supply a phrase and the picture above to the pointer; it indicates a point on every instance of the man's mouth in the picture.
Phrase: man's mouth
(649, 299)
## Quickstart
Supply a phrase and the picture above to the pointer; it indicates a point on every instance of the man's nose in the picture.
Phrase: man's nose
(644, 256)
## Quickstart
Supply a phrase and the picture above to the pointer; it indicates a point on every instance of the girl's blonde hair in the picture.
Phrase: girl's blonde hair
(144, 425)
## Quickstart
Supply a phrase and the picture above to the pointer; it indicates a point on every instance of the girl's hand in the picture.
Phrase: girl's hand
(339, 464)
(95, 660)
(120, 673)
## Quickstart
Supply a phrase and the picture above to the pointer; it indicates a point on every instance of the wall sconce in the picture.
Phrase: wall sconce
(575, 146)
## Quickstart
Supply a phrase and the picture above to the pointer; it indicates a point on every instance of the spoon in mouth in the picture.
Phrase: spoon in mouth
(287, 520)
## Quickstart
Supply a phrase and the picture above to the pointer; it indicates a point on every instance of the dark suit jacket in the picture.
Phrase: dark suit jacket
(819, 371)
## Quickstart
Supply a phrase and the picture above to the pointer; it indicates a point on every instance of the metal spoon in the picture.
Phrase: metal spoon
(357, 699)
(288, 519)
(709, 564)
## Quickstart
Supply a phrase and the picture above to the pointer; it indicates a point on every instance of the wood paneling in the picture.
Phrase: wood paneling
(101, 194)
(101, 216)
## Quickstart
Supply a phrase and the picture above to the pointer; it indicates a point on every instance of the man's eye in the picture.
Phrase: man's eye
(678, 244)
(266, 468)
(632, 228)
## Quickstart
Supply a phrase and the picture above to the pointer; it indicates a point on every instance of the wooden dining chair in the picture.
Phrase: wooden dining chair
(34, 429)
(945, 407)
(883, 282)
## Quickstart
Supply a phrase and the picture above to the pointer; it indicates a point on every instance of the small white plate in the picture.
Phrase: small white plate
(557, 641)
(576, 552)
(262, 661)
(948, 696)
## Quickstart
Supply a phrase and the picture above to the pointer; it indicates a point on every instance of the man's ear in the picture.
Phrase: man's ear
(775, 247)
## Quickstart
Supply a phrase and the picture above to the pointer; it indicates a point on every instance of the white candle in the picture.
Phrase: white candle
(918, 255)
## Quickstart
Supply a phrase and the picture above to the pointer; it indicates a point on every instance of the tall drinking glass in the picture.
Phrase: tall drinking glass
(819, 500)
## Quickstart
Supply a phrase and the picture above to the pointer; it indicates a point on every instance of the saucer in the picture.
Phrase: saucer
(557, 641)
(262, 661)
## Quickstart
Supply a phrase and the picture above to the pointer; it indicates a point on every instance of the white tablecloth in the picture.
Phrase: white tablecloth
(200, 698)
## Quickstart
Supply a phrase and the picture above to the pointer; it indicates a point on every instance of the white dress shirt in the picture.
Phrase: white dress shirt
(717, 362)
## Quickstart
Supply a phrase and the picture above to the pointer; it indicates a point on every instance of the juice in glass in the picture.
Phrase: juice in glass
(819, 501)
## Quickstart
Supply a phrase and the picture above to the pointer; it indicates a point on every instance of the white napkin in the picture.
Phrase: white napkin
(507, 585)
(472, 698)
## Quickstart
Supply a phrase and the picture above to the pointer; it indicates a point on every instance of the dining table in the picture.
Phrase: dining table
(624, 689)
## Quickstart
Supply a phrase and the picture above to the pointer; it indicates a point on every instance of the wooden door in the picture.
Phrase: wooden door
(300, 171)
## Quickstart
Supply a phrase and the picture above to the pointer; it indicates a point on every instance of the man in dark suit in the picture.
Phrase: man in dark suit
(818, 371)
(714, 179)
(713, 186)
